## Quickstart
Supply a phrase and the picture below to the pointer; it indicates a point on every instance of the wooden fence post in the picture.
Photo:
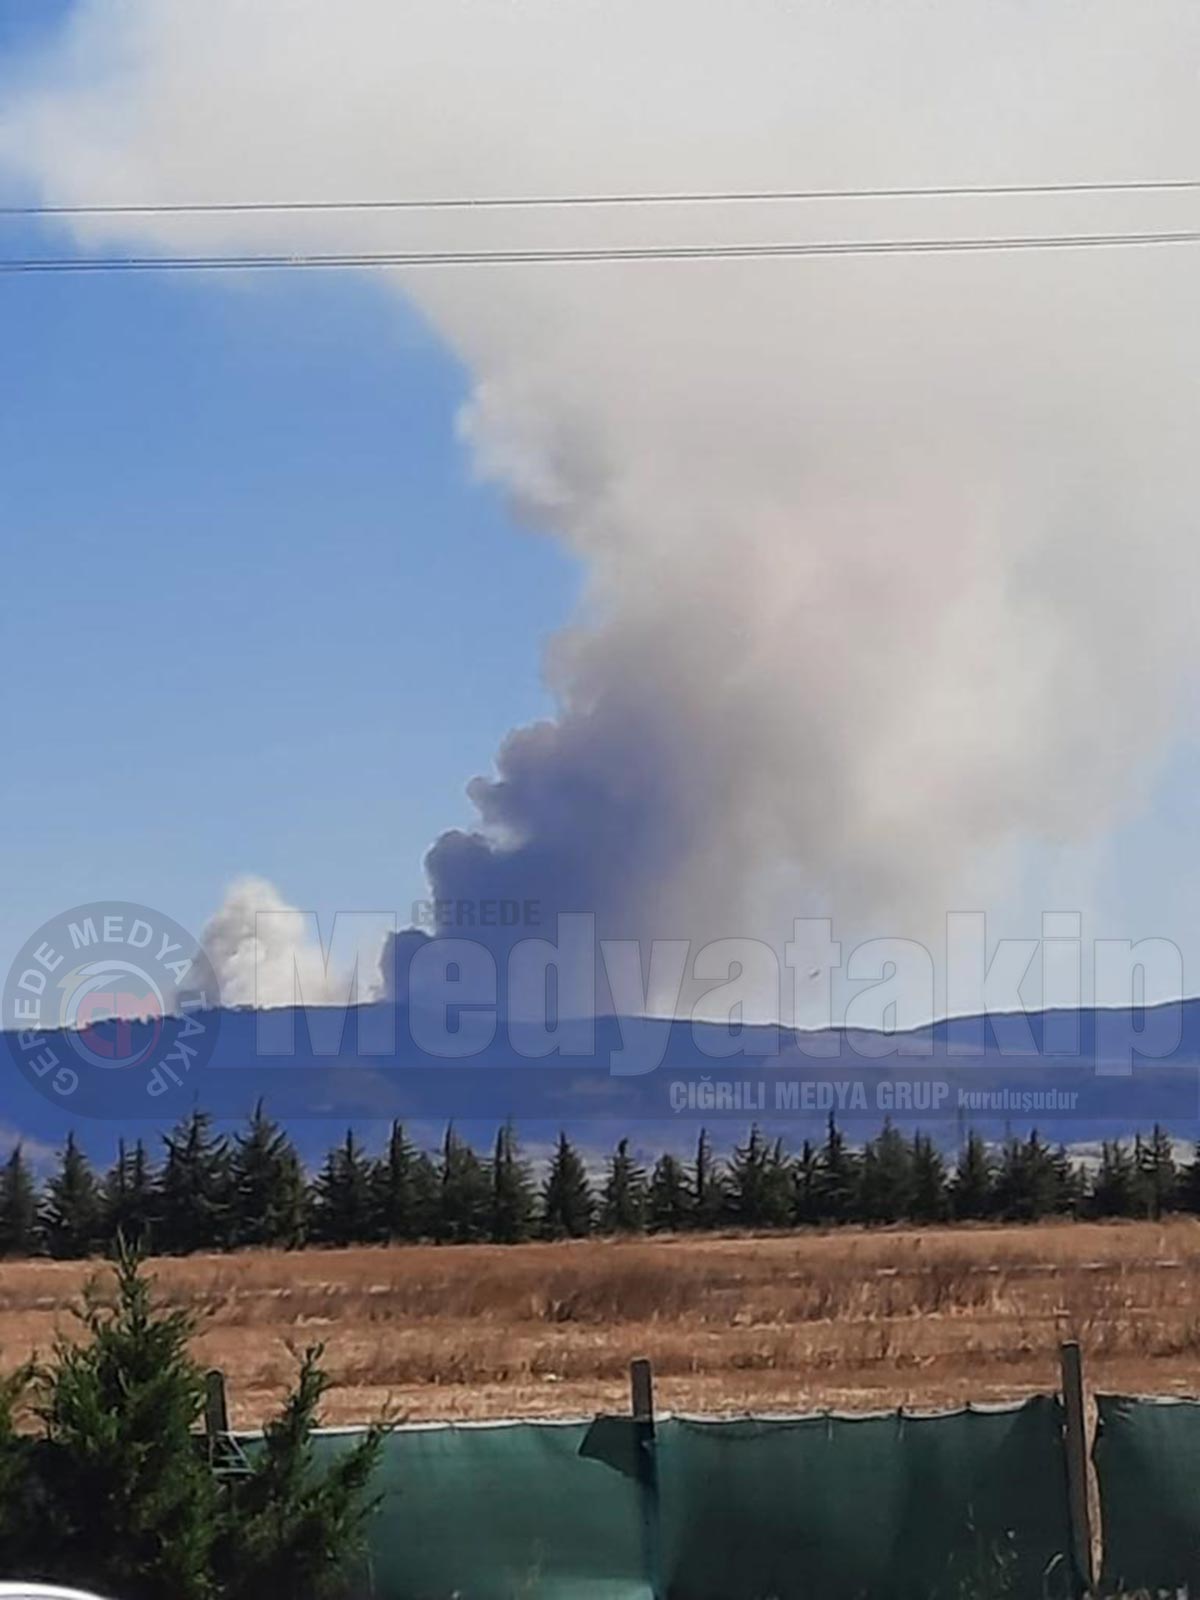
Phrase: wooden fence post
(641, 1396)
(225, 1455)
(641, 1392)
(216, 1409)
(1077, 1464)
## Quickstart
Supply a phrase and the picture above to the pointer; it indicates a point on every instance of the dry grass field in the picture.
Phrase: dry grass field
(852, 1319)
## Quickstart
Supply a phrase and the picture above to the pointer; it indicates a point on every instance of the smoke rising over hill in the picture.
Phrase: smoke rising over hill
(890, 562)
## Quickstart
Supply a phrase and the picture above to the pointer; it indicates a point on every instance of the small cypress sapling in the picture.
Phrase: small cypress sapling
(130, 1499)
(290, 1527)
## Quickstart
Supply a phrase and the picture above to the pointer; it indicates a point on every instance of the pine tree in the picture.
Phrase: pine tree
(972, 1194)
(623, 1203)
(567, 1205)
(1027, 1183)
(669, 1201)
(885, 1177)
(131, 1501)
(394, 1190)
(1189, 1184)
(837, 1177)
(760, 1187)
(1115, 1185)
(71, 1214)
(928, 1200)
(18, 1207)
(266, 1186)
(708, 1185)
(129, 1199)
(806, 1183)
(124, 1500)
(427, 1196)
(342, 1212)
(512, 1191)
(1158, 1181)
(287, 1528)
(465, 1207)
(194, 1200)
(1068, 1183)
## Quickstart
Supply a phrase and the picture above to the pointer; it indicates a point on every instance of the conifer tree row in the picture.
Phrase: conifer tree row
(205, 1190)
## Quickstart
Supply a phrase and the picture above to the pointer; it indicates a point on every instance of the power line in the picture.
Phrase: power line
(543, 201)
(733, 252)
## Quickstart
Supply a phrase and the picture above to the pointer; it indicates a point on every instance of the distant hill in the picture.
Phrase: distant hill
(988, 1073)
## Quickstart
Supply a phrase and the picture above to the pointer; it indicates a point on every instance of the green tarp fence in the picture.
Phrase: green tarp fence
(964, 1505)
(1147, 1456)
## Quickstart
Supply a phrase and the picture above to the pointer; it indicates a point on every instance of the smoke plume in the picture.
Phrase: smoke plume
(890, 561)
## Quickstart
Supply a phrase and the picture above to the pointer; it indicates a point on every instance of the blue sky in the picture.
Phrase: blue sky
(261, 618)
(243, 509)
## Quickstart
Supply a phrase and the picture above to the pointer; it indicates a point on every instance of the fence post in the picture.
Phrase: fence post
(225, 1455)
(641, 1396)
(1077, 1466)
(216, 1409)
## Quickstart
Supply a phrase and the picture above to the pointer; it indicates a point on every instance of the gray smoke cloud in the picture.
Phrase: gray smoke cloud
(889, 561)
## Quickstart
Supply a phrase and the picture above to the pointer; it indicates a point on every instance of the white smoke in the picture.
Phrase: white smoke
(266, 952)
(891, 561)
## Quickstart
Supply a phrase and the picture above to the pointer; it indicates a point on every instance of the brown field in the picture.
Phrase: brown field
(852, 1319)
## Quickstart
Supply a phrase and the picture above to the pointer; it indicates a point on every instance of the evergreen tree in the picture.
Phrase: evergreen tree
(806, 1185)
(129, 1198)
(708, 1185)
(466, 1198)
(266, 1186)
(396, 1202)
(836, 1189)
(1158, 1181)
(341, 1202)
(427, 1196)
(669, 1200)
(972, 1188)
(1115, 1185)
(623, 1203)
(131, 1501)
(193, 1189)
(567, 1205)
(122, 1499)
(885, 1177)
(1188, 1195)
(18, 1207)
(71, 1214)
(512, 1191)
(928, 1200)
(1068, 1183)
(760, 1187)
(1027, 1183)
(288, 1529)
